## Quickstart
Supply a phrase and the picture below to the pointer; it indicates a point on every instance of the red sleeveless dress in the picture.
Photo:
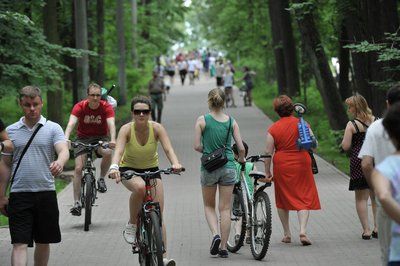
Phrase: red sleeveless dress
(294, 183)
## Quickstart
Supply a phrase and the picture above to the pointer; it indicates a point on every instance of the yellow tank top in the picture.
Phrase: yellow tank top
(138, 156)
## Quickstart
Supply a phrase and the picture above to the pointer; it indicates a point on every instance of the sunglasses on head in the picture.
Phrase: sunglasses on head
(139, 111)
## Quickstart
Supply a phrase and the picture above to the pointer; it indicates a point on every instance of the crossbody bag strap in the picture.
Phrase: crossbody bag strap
(24, 151)
(229, 130)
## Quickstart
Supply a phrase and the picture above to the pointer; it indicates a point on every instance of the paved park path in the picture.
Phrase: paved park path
(335, 230)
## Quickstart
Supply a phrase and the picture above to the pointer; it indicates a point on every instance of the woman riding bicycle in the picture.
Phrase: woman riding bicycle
(211, 132)
(136, 149)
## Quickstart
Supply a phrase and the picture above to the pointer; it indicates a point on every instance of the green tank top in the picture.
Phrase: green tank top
(214, 137)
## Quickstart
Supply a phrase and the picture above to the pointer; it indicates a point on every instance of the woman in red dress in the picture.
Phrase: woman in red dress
(294, 183)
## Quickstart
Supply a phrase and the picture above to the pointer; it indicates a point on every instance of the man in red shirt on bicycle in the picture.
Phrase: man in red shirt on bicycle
(95, 118)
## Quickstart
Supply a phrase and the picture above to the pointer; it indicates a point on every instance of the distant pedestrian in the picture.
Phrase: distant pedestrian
(182, 67)
(157, 94)
(386, 181)
(170, 69)
(248, 80)
(377, 146)
(228, 87)
(32, 206)
(219, 73)
(212, 131)
(191, 69)
(295, 187)
(353, 139)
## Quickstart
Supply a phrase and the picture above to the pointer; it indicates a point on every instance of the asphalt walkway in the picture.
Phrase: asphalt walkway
(335, 230)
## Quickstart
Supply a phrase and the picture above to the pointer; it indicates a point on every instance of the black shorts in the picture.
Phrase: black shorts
(158, 176)
(220, 81)
(33, 216)
(90, 140)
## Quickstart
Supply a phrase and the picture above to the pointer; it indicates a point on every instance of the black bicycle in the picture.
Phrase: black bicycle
(149, 244)
(88, 184)
(251, 213)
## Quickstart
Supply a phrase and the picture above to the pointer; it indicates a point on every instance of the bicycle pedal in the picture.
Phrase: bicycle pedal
(135, 250)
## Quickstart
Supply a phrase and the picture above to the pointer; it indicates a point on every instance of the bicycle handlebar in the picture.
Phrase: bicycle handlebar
(130, 173)
(75, 144)
(257, 158)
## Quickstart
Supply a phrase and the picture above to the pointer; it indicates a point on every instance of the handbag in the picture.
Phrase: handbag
(314, 166)
(20, 159)
(217, 158)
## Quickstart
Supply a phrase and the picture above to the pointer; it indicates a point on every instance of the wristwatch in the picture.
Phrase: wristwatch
(2, 146)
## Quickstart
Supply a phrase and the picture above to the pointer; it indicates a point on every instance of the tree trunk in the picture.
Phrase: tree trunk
(289, 50)
(145, 21)
(82, 63)
(277, 46)
(134, 33)
(344, 64)
(55, 92)
(100, 42)
(319, 63)
(121, 51)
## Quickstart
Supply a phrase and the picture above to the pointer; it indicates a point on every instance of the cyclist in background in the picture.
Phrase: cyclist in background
(96, 121)
(136, 149)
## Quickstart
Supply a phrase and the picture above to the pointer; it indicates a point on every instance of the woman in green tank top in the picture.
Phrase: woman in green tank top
(136, 149)
(211, 133)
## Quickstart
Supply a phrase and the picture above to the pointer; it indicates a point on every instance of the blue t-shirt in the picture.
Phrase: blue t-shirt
(390, 168)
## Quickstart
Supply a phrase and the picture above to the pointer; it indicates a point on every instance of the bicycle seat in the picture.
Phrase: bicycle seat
(257, 174)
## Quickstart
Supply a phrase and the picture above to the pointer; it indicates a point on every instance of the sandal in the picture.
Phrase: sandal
(304, 240)
(374, 234)
(365, 236)
(287, 239)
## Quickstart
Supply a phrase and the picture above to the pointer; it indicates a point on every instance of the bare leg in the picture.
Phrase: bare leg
(374, 209)
(209, 208)
(105, 162)
(284, 216)
(303, 216)
(225, 196)
(362, 209)
(19, 255)
(76, 181)
(137, 186)
(42, 254)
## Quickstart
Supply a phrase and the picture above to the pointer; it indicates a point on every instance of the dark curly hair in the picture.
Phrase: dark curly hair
(283, 105)
(391, 123)
(140, 99)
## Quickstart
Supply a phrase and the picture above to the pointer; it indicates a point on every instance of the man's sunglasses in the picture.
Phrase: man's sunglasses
(139, 111)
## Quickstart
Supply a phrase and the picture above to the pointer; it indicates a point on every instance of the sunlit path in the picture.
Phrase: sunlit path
(335, 230)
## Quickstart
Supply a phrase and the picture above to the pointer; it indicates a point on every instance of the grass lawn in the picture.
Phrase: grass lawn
(328, 140)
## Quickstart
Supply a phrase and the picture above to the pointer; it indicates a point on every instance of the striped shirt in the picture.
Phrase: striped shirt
(33, 174)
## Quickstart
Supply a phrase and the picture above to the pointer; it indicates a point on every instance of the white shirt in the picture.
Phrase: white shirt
(377, 143)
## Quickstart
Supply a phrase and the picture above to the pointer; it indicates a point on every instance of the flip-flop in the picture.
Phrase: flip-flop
(365, 237)
(287, 239)
(304, 240)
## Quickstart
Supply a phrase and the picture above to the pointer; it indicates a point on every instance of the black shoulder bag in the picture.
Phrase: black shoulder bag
(22, 155)
(217, 158)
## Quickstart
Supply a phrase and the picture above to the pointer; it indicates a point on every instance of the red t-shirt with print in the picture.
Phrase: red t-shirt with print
(92, 122)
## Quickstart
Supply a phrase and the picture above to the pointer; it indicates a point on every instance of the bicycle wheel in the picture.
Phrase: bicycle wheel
(238, 222)
(88, 202)
(155, 245)
(260, 231)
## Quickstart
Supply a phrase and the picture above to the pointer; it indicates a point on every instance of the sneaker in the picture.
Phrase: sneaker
(215, 245)
(77, 209)
(101, 185)
(223, 253)
(129, 233)
(169, 262)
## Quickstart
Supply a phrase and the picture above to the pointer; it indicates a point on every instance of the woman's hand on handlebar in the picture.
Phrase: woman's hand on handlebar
(115, 174)
(177, 168)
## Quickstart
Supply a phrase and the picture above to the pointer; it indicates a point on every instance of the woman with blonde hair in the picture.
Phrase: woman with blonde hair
(353, 139)
(212, 131)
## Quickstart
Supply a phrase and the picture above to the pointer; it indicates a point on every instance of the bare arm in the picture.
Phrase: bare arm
(238, 140)
(270, 147)
(348, 135)
(122, 139)
(62, 151)
(383, 191)
(198, 129)
(167, 146)
(5, 172)
(367, 166)
(70, 126)
(111, 128)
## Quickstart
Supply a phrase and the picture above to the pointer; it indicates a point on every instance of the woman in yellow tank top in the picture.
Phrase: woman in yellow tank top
(136, 149)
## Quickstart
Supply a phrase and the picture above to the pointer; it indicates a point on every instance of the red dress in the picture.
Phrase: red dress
(294, 183)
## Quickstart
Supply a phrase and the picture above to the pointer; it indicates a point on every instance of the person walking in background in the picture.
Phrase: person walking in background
(295, 187)
(170, 69)
(32, 206)
(191, 69)
(219, 73)
(212, 131)
(157, 94)
(248, 80)
(377, 146)
(353, 138)
(386, 181)
(182, 67)
(228, 87)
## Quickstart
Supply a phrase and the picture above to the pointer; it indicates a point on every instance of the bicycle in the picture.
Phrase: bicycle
(88, 185)
(149, 244)
(251, 214)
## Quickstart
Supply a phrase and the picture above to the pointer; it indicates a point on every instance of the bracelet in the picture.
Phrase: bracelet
(114, 166)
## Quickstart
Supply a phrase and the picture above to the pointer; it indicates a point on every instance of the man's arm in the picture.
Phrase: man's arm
(111, 128)
(71, 124)
(5, 172)
(62, 151)
(367, 166)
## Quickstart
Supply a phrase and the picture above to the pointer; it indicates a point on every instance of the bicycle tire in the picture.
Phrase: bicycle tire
(234, 243)
(262, 225)
(155, 245)
(88, 202)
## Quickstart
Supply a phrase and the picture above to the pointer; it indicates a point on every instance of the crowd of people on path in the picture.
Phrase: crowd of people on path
(373, 145)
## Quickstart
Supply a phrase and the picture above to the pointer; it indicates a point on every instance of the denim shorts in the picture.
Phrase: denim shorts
(221, 176)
